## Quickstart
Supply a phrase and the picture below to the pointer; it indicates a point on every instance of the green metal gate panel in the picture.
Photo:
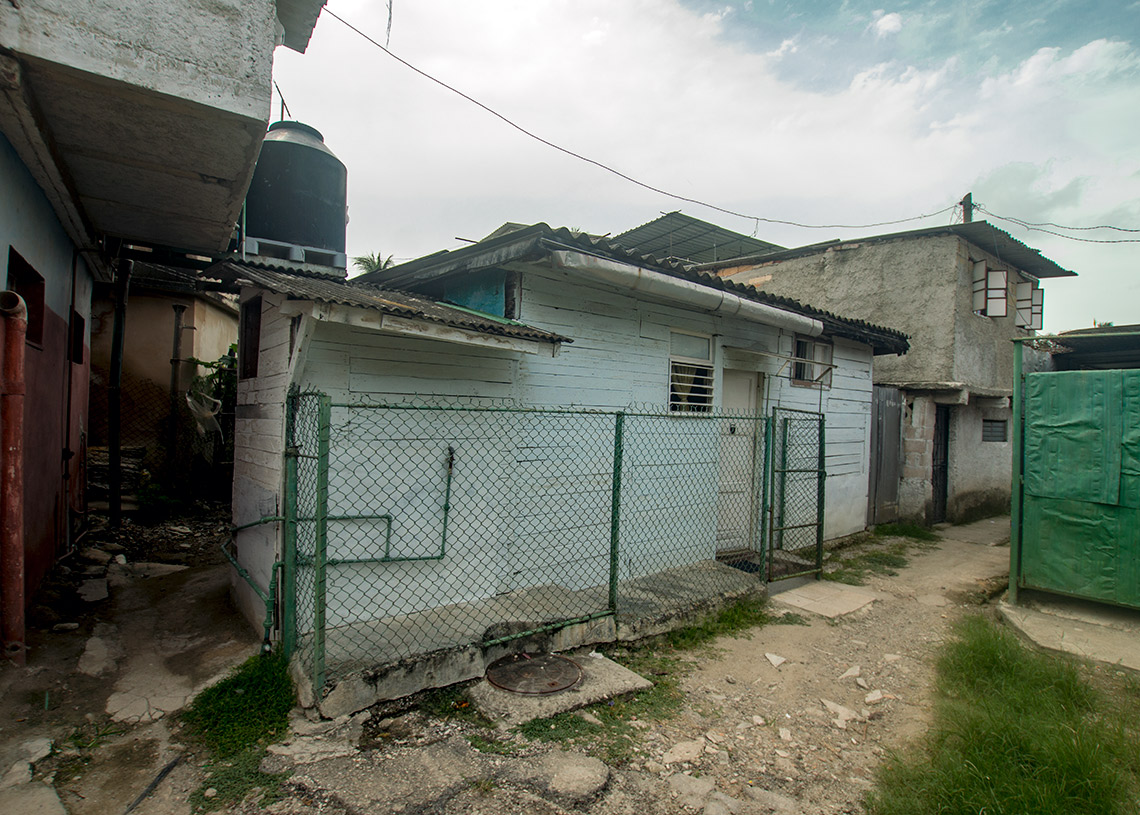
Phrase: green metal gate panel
(1080, 495)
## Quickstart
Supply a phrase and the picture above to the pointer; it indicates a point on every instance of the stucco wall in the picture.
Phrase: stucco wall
(217, 54)
(29, 225)
(906, 284)
(979, 478)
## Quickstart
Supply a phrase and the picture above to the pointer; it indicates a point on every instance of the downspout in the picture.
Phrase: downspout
(692, 295)
(115, 397)
(15, 314)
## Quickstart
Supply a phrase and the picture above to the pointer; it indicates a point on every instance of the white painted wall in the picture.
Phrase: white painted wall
(517, 510)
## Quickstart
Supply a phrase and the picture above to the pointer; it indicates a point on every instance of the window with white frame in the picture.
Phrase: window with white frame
(1030, 306)
(690, 372)
(990, 290)
(811, 366)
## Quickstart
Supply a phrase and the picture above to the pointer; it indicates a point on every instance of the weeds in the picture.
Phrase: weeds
(451, 703)
(234, 720)
(913, 531)
(1014, 732)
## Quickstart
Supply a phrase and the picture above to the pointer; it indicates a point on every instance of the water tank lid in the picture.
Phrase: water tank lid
(298, 133)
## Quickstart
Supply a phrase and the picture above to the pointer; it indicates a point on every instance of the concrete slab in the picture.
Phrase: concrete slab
(826, 598)
(1103, 633)
(602, 679)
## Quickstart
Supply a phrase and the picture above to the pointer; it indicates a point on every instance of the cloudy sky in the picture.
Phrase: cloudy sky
(806, 111)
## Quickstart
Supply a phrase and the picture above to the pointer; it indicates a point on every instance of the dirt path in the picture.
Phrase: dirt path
(753, 736)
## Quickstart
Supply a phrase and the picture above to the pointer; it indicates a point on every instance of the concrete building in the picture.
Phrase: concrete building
(130, 127)
(961, 293)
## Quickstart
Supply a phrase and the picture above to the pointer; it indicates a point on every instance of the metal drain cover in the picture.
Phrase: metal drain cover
(534, 674)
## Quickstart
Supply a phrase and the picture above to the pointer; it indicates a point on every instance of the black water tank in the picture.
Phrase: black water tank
(299, 190)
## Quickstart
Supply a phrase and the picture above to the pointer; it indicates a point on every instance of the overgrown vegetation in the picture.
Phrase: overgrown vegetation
(1016, 733)
(234, 720)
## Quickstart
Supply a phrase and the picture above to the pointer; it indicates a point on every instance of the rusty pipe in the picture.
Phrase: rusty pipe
(15, 315)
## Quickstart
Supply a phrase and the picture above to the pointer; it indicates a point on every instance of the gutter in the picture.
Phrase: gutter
(12, 389)
(694, 295)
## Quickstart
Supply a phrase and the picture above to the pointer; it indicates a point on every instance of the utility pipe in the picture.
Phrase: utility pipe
(12, 388)
(693, 295)
(115, 396)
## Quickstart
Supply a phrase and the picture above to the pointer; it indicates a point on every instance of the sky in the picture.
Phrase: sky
(820, 113)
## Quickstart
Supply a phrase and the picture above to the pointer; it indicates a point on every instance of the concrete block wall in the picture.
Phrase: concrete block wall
(915, 489)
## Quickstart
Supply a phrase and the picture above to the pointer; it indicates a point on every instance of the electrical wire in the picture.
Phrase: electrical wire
(757, 219)
(284, 106)
(1036, 228)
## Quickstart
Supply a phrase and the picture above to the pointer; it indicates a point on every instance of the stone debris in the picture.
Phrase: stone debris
(842, 714)
(892, 657)
(772, 802)
(36, 750)
(18, 773)
(862, 683)
(179, 530)
(758, 721)
(94, 555)
(874, 697)
(92, 591)
(714, 737)
(121, 560)
(691, 792)
(61, 627)
(573, 777)
(721, 804)
(785, 734)
(685, 751)
(851, 673)
(775, 659)
(587, 716)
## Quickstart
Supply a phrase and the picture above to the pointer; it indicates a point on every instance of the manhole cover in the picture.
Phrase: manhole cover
(534, 674)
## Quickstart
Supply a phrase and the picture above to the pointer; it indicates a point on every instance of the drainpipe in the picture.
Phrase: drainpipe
(693, 295)
(115, 397)
(175, 370)
(15, 315)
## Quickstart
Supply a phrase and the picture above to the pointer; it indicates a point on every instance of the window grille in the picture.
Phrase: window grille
(994, 430)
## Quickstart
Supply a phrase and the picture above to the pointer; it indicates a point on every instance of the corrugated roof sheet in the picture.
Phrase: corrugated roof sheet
(683, 237)
(535, 242)
(980, 233)
(332, 289)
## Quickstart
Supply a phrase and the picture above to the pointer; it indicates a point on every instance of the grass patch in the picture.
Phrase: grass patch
(913, 531)
(451, 703)
(235, 720)
(1015, 732)
(733, 619)
(489, 745)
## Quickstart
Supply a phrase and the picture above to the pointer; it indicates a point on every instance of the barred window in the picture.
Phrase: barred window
(690, 373)
(812, 364)
(994, 430)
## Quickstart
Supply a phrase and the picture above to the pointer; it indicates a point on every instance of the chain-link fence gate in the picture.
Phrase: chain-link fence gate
(798, 475)
(414, 528)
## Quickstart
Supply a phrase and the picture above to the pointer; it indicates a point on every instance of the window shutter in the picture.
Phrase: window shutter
(996, 294)
(1024, 305)
(980, 287)
(1038, 322)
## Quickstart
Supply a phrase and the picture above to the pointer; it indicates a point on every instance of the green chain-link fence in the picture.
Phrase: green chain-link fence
(419, 527)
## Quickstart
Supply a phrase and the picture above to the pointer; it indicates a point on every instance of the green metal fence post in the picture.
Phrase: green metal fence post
(1015, 486)
(765, 507)
(756, 512)
(820, 496)
(324, 420)
(615, 509)
(289, 556)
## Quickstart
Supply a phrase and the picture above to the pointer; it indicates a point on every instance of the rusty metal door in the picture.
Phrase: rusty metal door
(886, 455)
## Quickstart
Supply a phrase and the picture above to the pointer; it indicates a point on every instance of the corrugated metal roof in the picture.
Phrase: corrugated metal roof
(980, 233)
(683, 237)
(332, 289)
(535, 242)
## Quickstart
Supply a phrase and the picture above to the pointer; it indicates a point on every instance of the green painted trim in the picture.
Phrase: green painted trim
(615, 509)
(320, 586)
(1017, 480)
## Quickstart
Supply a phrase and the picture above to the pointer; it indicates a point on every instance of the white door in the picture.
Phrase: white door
(736, 494)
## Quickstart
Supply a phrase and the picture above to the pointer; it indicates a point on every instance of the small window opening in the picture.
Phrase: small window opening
(990, 290)
(690, 373)
(29, 284)
(994, 430)
(812, 364)
(250, 335)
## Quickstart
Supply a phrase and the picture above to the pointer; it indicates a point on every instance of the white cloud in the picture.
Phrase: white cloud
(886, 24)
(657, 92)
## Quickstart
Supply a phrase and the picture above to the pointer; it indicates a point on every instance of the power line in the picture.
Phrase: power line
(757, 219)
(1040, 228)
(284, 107)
